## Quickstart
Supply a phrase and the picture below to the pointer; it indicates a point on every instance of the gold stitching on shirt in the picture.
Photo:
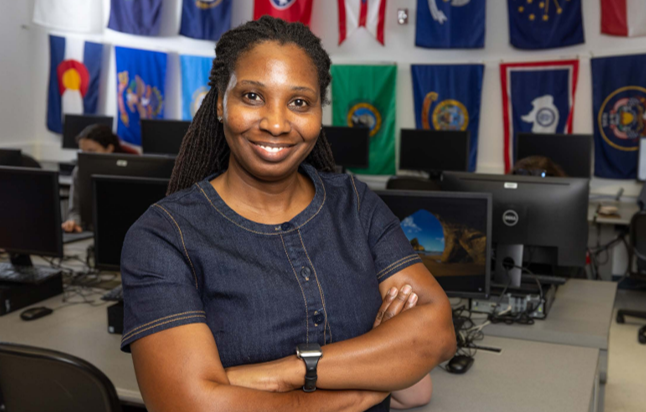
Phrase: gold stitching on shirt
(160, 319)
(394, 263)
(357, 192)
(307, 325)
(163, 323)
(395, 267)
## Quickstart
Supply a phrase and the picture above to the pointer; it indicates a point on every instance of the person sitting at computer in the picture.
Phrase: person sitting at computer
(262, 264)
(537, 166)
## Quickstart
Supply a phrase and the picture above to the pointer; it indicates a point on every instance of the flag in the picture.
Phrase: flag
(70, 15)
(141, 76)
(288, 10)
(545, 24)
(619, 111)
(536, 98)
(362, 13)
(74, 77)
(141, 17)
(195, 79)
(447, 97)
(623, 17)
(364, 96)
(205, 19)
(459, 24)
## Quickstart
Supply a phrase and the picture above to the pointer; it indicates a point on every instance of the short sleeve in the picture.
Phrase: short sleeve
(160, 287)
(390, 248)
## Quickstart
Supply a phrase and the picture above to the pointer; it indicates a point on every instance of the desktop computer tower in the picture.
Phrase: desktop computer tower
(15, 296)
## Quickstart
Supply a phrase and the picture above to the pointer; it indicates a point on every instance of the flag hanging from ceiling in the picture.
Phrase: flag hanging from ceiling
(74, 77)
(623, 17)
(365, 96)
(447, 97)
(536, 98)
(205, 19)
(619, 108)
(140, 17)
(455, 24)
(141, 76)
(288, 10)
(70, 15)
(545, 24)
(195, 83)
(362, 13)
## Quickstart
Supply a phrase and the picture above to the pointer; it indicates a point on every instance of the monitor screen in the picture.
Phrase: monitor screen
(350, 145)
(162, 136)
(431, 150)
(451, 232)
(10, 157)
(73, 125)
(572, 152)
(641, 170)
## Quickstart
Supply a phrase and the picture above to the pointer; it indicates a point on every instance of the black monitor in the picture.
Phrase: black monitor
(162, 136)
(572, 152)
(30, 214)
(73, 125)
(434, 151)
(545, 215)
(451, 232)
(116, 164)
(10, 157)
(350, 145)
(641, 164)
(118, 202)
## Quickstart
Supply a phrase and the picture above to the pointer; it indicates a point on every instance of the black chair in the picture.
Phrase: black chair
(412, 183)
(28, 161)
(37, 380)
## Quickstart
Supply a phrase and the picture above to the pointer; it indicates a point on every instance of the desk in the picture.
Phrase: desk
(626, 210)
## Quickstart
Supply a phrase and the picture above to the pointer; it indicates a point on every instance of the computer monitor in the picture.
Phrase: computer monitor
(451, 232)
(641, 164)
(10, 157)
(547, 216)
(350, 145)
(116, 164)
(572, 152)
(162, 136)
(73, 125)
(30, 214)
(434, 150)
(118, 202)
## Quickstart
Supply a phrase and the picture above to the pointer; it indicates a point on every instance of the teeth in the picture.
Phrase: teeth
(272, 149)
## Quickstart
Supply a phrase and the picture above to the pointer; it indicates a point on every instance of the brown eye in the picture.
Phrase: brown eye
(252, 96)
(299, 103)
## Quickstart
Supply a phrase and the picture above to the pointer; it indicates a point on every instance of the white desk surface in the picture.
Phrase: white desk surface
(626, 210)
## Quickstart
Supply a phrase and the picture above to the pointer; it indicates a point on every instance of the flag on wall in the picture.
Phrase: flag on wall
(70, 15)
(205, 19)
(289, 10)
(74, 77)
(362, 13)
(619, 107)
(141, 17)
(545, 24)
(141, 76)
(365, 96)
(195, 83)
(458, 24)
(536, 98)
(623, 17)
(447, 97)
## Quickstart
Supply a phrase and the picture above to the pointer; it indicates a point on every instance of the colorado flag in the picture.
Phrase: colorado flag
(195, 83)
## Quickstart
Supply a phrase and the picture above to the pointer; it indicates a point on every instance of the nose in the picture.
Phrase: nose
(275, 120)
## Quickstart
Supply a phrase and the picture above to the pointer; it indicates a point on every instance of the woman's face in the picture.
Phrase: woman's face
(90, 146)
(271, 110)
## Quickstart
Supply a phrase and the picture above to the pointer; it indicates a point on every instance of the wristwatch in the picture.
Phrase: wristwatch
(310, 353)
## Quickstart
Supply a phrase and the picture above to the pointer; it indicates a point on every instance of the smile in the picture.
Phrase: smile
(272, 152)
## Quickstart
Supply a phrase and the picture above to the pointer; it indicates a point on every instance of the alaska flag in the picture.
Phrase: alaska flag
(141, 17)
(448, 97)
(141, 76)
(536, 98)
(619, 101)
(195, 79)
(458, 24)
(545, 24)
(205, 19)
(74, 76)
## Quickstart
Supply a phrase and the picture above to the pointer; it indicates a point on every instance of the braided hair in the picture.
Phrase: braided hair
(204, 149)
(103, 135)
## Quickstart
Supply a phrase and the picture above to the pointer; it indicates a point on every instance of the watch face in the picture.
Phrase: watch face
(310, 354)
(309, 351)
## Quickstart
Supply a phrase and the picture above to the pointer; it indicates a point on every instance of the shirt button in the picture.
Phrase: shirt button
(286, 226)
(305, 272)
(319, 318)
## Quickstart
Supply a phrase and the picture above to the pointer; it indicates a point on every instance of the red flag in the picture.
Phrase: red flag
(623, 17)
(288, 10)
(362, 13)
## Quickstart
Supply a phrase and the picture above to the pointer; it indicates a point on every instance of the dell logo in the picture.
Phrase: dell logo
(510, 218)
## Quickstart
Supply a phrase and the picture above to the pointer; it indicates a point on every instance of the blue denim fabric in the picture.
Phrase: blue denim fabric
(262, 289)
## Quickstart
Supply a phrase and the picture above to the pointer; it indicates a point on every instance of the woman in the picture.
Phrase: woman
(259, 250)
(538, 166)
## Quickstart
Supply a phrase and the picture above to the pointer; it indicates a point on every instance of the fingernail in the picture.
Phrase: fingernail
(392, 291)
(412, 299)
(406, 290)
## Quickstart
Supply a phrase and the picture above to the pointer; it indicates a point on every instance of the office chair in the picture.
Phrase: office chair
(412, 183)
(28, 161)
(36, 380)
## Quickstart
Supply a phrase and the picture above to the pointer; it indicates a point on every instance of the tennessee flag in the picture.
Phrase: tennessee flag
(288, 10)
(362, 13)
(75, 72)
(623, 17)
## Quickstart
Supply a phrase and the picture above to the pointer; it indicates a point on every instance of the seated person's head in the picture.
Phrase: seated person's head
(98, 138)
(537, 166)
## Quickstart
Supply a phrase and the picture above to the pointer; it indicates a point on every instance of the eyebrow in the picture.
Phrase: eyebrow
(295, 88)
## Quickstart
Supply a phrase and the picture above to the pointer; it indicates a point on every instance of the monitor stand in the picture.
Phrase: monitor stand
(509, 259)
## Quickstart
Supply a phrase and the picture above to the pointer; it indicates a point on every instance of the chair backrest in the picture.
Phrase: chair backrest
(638, 239)
(36, 380)
(412, 183)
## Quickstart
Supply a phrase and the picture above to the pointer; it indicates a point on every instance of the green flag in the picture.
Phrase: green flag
(364, 96)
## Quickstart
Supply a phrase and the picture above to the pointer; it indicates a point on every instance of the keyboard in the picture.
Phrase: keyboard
(25, 274)
(115, 295)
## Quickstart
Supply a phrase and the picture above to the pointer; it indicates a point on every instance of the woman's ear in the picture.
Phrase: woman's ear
(220, 106)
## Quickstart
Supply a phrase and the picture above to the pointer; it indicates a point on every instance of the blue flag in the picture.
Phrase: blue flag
(205, 19)
(448, 97)
(545, 24)
(458, 24)
(140, 17)
(195, 79)
(141, 76)
(619, 102)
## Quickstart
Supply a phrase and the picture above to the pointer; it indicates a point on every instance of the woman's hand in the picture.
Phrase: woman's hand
(395, 302)
(71, 226)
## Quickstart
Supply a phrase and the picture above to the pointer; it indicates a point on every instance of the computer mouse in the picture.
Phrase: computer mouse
(459, 364)
(35, 313)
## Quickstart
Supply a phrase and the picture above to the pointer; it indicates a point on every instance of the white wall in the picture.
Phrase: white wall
(360, 48)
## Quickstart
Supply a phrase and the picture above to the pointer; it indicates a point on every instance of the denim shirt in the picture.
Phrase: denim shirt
(262, 289)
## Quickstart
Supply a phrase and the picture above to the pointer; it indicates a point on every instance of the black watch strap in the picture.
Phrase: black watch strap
(310, 374)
